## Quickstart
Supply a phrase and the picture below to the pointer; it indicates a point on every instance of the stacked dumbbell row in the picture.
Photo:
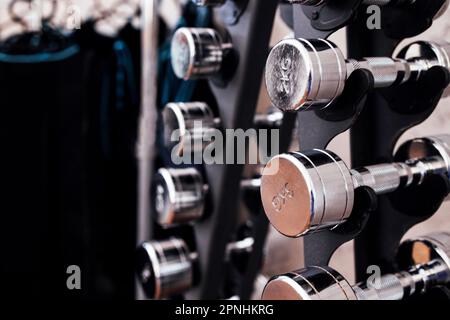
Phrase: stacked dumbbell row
(424, 264)
(313, 190)
(181, 195)
(301, 191)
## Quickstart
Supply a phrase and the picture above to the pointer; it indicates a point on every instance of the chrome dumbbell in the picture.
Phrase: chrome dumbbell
(197, 52)
(166, 268)
(370, 2)
(191, 122)
(312, 190)
(210, 3)
(325, 283)
(304, 74)
(179, 195)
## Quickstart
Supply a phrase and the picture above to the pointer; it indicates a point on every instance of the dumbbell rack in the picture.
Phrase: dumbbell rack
(249, 24)
(236, 105)
(376, 119)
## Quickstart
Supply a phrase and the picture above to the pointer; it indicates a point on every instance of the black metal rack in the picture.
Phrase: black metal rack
(376, 119)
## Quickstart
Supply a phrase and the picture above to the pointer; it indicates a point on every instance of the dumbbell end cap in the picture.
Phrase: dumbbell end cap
(284, 288)
(183, 53)
(287, 195)
(146, 261)
(310, 283)
(164, 194)
(424, 249)
(288, 75)
(173, 120)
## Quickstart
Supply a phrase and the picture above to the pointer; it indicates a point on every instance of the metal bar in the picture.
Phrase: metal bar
(148, 118)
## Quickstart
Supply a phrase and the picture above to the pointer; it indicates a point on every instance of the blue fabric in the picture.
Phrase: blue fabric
(40, 57)
(125, 87)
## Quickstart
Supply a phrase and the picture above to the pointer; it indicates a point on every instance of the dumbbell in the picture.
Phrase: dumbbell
(370, 2)
(304, 74)
(429, 266)
(179, 195)
(168, 267)
(198, 52)
(312, 190)
(193, 121)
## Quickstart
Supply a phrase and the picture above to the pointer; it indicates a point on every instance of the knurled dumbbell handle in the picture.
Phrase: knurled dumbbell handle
(385, 178)
(400, 285)
(388, 71)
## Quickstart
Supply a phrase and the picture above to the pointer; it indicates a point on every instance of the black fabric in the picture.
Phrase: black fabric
(68, 134)
(41, 226)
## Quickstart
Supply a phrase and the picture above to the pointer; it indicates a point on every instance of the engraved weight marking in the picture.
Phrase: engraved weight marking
(280, 199)
(285, 84)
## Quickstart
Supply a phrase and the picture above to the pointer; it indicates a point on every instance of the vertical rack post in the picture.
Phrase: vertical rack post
(148, 118)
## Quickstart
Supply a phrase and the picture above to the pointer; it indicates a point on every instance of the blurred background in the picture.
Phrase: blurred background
(285, 254)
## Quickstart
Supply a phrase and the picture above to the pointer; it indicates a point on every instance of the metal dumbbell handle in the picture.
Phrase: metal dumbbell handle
(426, 264)
(400, 285)
(385, 178)
(324, 283)
(388, 71)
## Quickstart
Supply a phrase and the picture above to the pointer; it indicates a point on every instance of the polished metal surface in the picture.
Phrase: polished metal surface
(186, 125)
(389, 287)
(189, 126)
(164, 268)
(305, 191)
(178, 195)
(423, 250)
(304, 74)
(311, 190)
(427, 266)
(434, 148)
(423, 55)
(196, 52)
(311, 283)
